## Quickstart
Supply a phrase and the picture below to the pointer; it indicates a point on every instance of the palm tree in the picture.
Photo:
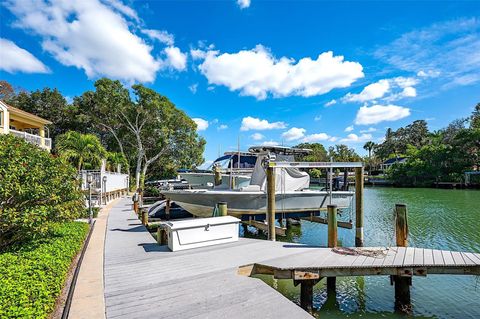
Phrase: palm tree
(369, 146)
(80, 149)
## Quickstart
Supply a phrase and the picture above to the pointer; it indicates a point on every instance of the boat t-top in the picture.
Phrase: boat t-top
(291, 188)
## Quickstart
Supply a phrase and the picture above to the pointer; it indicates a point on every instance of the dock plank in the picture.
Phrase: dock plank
(457, 258)
(428, 257)
(409, 255)
(418, 257)
(438, 257)
(399, 257)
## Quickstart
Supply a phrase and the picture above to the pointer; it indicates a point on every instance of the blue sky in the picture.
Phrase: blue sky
(265, 72)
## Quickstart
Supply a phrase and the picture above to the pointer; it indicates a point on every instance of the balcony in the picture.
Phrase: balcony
(42, 142)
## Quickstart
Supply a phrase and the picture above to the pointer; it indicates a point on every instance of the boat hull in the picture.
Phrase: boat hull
(202, 202)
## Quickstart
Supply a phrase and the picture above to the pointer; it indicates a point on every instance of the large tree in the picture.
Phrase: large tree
(84, 151)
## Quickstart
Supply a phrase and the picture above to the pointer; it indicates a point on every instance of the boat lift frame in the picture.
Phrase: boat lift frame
(270, 165)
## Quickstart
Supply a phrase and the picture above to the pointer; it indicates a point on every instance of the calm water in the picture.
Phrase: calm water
(441, 219)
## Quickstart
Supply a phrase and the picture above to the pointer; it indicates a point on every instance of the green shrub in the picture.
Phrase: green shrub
(32, 274)
(36, 190)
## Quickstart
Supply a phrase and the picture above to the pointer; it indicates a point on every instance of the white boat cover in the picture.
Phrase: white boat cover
(286, 179)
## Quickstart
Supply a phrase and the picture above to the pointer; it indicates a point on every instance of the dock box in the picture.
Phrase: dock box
(201, 232)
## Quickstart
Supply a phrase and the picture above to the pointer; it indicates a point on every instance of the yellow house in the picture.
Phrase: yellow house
(24, 125)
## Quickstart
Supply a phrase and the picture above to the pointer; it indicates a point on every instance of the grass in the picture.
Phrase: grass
(32, 274)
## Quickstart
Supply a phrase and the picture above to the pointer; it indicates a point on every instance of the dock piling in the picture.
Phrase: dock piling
(161, 236)
(167, 209)
(359, 206)
(402, 283)
(306, 294)
(332, 241)
(222, 208)
(144, 218)
(271, 202)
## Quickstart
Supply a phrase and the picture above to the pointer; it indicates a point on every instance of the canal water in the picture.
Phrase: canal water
(439, 219)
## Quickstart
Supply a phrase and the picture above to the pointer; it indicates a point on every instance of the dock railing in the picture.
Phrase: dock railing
(105, 185)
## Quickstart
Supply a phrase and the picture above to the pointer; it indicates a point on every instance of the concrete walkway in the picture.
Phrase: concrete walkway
(88, 300)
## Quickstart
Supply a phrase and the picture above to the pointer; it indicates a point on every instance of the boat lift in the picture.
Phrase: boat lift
(270, 166)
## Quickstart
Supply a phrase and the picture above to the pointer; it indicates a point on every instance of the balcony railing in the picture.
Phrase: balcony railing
(34, 139)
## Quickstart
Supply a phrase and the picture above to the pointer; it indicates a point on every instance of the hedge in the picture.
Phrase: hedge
(36, 190)
(32, 274)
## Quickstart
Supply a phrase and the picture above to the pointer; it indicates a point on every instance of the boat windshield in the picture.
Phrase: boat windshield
(246, 161)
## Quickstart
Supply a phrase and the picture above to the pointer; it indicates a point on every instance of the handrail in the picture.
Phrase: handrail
(32, 138)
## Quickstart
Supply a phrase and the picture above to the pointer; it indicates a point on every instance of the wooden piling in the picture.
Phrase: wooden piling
(306, 294)
(218, 175)
(401, 225)
(402, 283)
(332, 241)
(222, 209)
(271, 203)
(359, 206)
(167, 209)
(144, 218)
(161, 236)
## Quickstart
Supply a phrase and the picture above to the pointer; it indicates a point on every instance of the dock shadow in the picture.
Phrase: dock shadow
(301, 246)
(137, 229)
(154, 247)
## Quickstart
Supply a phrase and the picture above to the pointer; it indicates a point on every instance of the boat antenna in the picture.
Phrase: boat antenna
(330, 180)
(238, 148)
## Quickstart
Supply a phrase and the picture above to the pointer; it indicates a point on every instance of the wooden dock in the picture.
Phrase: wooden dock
(143, 279)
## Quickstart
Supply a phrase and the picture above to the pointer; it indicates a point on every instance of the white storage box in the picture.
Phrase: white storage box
(201, 232)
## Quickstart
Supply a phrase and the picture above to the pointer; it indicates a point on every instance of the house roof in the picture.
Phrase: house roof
(14, 110)
(394, 160)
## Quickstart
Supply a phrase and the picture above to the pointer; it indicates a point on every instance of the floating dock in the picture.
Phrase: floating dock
(144, 279)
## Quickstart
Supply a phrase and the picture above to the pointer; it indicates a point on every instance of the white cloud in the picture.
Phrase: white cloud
(214, 121)
(202, 124)
(386, 89)
(197, 54)
(316, 137)
(317, 118)
(330, 103)
(294, 133)
(257, 136)
(122, 8)
(252, 123)
(222, 127)
(370, 92)
(369, 130)
(258, 73)
(160, 35)
(89, 35)
(176, 59)
(450, 48)
(15, 59)
(193, 88)
(270, 143)
(243, 3)
(349, 128)
(379, 113)
(354, 138)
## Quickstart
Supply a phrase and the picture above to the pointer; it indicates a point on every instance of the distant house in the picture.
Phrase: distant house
(24, 125)
(385, 165)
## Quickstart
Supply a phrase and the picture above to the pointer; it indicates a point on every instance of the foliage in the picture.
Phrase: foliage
(396, 142)
(83, 151)
(36, 190)
(51, 105)
(33, 274)
(342, 153)
(114, 159)
(151, 191)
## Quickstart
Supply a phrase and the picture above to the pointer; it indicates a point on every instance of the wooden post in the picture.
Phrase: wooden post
(332, 241)
(306, 294)
(402, 283)
(359, 206)
(162, 238)
(167, 209)
(271, 202)
(144, 218)
(222, 209)
(218, 175)
(401, 225)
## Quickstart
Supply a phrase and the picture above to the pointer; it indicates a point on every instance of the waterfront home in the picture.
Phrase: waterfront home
(389, 162)
(24, 125)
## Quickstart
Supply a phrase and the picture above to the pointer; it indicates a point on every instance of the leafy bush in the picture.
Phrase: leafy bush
(36, 190)
(32, 274)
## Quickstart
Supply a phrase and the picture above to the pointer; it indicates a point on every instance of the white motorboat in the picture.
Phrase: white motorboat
(292, 190)
(236, 168)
